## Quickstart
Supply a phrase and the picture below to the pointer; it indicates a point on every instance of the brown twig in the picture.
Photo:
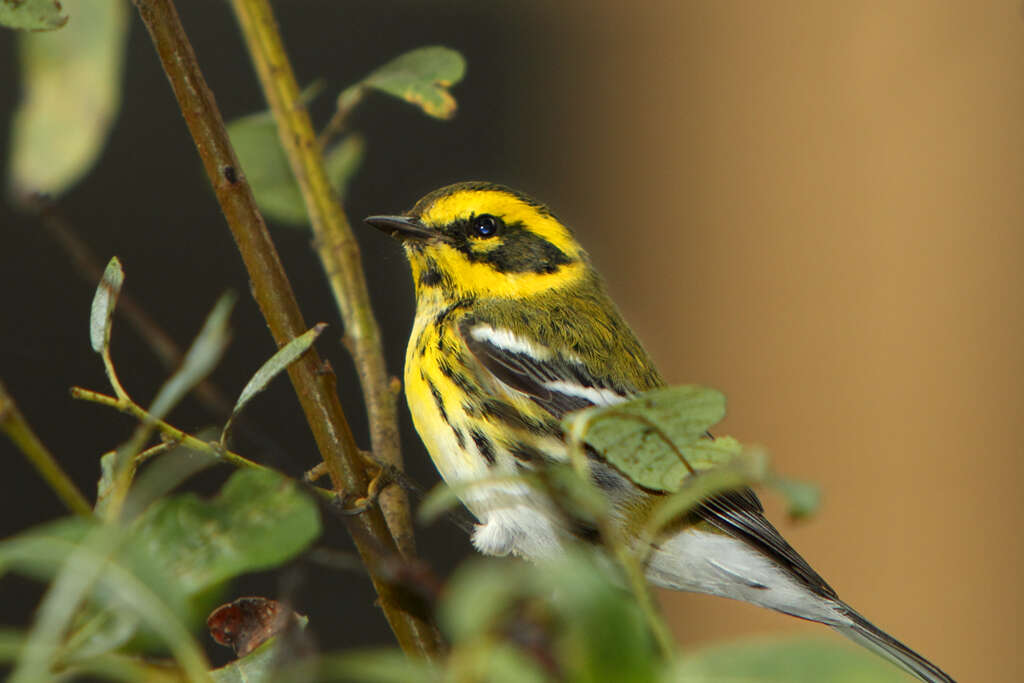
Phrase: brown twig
(13, 423)
(314, 384)
(336, 246)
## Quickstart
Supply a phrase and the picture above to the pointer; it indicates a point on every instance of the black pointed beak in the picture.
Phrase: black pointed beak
(401, 227)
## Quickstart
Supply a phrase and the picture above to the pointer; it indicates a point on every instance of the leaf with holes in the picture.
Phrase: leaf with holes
(656, 438)
(32, 15)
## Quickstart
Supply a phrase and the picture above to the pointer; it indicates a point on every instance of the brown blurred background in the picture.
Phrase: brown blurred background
(819, 208)
(815, 207)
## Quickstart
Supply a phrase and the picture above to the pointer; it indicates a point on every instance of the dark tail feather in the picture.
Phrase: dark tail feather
(863, 632)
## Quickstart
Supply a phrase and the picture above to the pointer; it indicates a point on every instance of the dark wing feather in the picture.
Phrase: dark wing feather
(539, 379)
(740, 514)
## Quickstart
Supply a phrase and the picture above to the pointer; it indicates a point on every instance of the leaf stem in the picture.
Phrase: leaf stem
(613, 540)
(336, 247)
(169, 432)
(14, 424)
(313, 381)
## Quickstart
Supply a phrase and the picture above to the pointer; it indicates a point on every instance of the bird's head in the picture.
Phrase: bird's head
(481, 240)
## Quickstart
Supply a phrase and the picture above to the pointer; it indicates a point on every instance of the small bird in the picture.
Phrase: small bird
(513, 330)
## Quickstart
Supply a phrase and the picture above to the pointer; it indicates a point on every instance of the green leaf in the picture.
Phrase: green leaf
(606, 636)
(651, 438)
(266, 167)
(262, 664)
(285, 356)
(378, 666)
(200, 359)
(32, 15)
(103, 303)
(803, 498)
(747, 468)
(259, 520)
(784, 661)
(97, 564)
(72, 82)
(439, 500)
(422, 77)
(478, 594)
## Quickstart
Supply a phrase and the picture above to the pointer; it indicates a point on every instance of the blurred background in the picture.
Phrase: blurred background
(815, 207)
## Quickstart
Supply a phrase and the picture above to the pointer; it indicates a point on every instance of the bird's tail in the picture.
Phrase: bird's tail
(863, 632)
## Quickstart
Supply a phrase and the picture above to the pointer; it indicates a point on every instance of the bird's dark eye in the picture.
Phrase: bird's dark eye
(484, 226)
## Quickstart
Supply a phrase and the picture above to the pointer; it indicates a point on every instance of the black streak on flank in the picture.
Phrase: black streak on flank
(524, 453)
(460, 437)
(484, 445)
(499, 410)
(437, 398)
(443, 314)
(463, 383)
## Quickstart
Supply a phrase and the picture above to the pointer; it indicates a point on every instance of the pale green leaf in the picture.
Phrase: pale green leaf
(478, 594)
(422, 78)
(204, 354)
(285, 356)
(259, 666)
(269, 174)
(606, 637)
(266, 168)
(259, 520)
(378, 666)
(71, 93)
(649, 437)
(803, 498)
(105, 485)
(11, 642)
(103, 303)
(784, 661)
(742, 470)
(98, 565)
(438, 501)
(32, 15)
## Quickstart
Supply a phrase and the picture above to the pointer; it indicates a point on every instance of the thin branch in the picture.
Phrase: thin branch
(175, 437)
(314, 383)
(336, 246)
(90, 269)
(14, 424)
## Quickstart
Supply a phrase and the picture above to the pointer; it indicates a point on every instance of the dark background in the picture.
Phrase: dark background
(149, 203)
(815, 207)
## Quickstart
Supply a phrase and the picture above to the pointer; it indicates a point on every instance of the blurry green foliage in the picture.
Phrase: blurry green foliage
(32, 15)
(71, 93)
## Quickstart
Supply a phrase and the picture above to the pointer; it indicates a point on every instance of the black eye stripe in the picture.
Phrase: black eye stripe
(519, 251)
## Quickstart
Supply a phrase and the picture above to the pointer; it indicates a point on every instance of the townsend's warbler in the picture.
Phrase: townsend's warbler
(514, 330)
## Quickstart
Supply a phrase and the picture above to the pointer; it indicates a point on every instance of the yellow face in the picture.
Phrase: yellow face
(481, 240)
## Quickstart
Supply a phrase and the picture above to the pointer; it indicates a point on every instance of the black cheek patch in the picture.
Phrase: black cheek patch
(431, 277)
(430, 273)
